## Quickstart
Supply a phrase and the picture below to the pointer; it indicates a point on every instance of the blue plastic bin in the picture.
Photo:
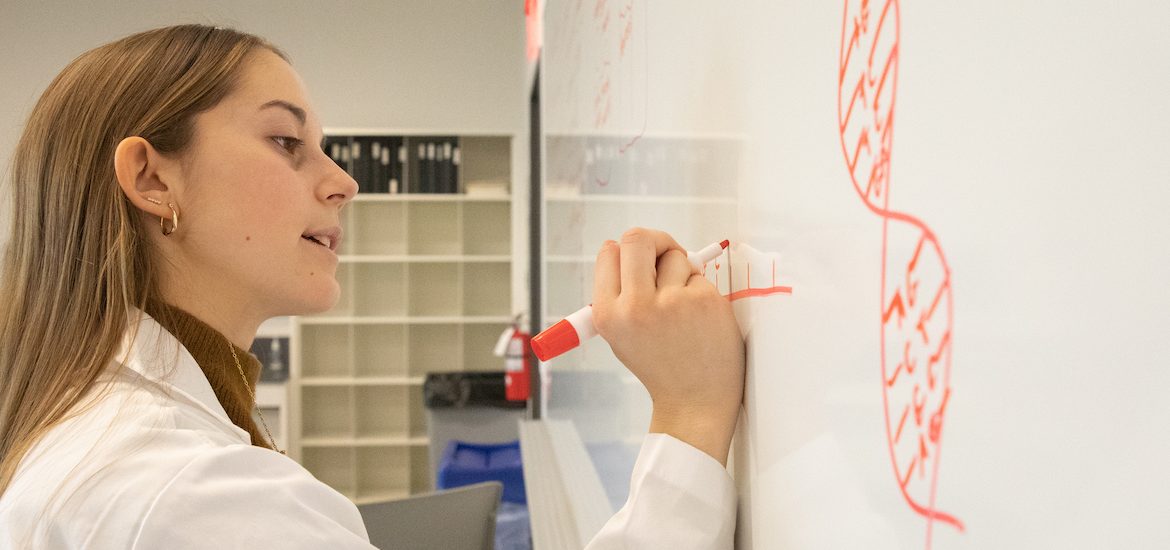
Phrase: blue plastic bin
(466, 463)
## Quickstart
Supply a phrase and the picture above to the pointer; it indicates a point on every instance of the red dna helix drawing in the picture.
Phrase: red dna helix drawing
(916, 301)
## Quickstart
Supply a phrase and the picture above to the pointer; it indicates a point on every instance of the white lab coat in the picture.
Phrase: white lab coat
(154, 462)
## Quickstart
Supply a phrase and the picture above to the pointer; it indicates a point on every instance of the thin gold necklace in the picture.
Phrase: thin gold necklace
(253, 396)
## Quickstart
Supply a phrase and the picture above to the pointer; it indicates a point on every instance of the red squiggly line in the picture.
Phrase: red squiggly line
(873, 93)
(758, 292)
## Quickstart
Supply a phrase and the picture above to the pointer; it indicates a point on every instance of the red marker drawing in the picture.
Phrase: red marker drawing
(917, 310)
(578, 327)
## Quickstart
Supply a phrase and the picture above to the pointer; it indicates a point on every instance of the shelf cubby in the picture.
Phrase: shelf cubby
(379, 351)
(487, 289)
(375, 227)
(487, 228)
(383, 473)
(433, 228)
(486, 159)
(434, 289)
(327, 351)
(328, 411)
(379, 289)
(433, 348)
(381, 411)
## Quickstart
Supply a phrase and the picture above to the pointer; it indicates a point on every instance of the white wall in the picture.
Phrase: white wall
(437, 64)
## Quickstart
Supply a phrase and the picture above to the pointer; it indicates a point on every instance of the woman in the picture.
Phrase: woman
(170, 195)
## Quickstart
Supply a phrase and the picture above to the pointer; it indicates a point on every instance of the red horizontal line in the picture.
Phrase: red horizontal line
(757, 292)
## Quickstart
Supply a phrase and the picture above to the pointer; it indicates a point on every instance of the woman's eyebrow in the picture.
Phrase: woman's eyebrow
(296, 111)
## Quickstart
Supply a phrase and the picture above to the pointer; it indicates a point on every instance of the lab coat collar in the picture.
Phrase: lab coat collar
(159, 357)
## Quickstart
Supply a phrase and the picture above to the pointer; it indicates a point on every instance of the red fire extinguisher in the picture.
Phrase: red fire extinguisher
(513, 347)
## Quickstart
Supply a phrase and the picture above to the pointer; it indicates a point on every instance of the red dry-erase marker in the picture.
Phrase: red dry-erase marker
(578, 327)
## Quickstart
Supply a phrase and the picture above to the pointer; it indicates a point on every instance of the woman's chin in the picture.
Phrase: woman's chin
(329, 300)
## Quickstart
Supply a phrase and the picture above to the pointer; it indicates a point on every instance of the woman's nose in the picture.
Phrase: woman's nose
(338, 186)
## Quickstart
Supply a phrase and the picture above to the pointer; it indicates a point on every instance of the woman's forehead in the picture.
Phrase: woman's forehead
(268, 84)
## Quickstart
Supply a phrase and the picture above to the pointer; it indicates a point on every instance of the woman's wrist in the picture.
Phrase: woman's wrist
(708, 429)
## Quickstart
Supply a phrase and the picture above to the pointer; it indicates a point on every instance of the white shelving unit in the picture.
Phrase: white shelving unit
(427, 283)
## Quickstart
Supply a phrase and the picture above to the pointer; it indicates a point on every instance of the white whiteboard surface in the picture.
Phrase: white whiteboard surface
(1009, 223)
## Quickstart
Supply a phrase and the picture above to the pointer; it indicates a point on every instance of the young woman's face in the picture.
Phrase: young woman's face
(256, 182)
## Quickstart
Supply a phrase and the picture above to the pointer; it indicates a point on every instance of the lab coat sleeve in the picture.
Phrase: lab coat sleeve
(680, 498)
(244, 497)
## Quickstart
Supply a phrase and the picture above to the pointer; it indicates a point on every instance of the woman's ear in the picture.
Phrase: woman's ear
(137, 166)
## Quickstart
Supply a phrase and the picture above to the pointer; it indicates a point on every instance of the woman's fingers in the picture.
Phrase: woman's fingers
(607, 282)
(640, 249)
(674, 269)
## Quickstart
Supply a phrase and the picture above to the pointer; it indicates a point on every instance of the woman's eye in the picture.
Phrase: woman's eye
(289, 144)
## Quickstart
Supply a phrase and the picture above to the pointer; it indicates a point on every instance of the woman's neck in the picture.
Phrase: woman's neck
(230, 322)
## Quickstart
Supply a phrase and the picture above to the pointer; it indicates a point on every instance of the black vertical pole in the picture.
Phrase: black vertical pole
(534, 242)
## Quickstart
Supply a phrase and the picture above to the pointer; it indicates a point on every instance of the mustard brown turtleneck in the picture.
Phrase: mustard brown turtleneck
(212, 351)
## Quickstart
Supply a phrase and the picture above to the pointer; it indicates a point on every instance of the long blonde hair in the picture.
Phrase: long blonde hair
(78, 260)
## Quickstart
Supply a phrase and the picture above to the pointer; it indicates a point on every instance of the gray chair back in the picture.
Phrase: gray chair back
(463, 518)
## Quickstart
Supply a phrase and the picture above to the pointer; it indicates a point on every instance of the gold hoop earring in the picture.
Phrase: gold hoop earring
(162, 221)
(174, 220)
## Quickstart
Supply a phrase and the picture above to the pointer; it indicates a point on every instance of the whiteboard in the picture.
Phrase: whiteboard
(966, 204)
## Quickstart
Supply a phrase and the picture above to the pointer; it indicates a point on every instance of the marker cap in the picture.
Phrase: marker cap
(558, 339)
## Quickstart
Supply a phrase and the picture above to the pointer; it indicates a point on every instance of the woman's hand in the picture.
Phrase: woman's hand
(670, 326)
